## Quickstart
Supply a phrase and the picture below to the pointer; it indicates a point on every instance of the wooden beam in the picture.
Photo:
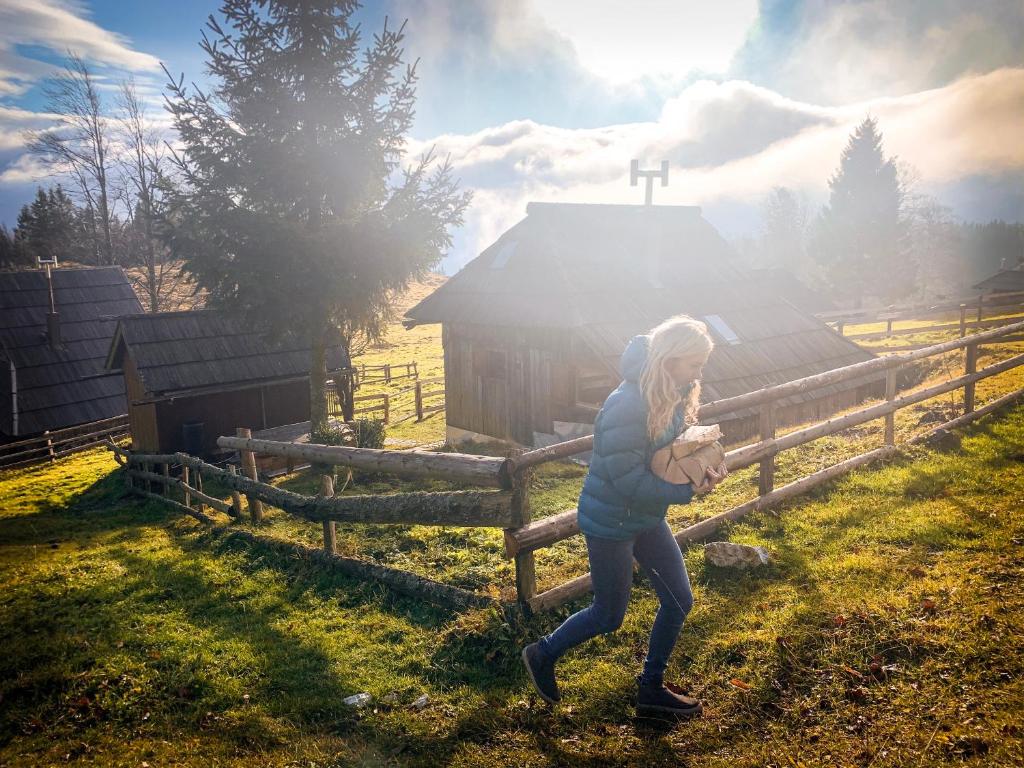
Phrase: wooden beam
(479, 470)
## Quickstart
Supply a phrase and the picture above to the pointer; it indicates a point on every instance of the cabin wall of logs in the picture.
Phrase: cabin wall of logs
(500, 497)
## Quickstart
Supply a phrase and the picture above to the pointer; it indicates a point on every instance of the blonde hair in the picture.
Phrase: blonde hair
(678, 336)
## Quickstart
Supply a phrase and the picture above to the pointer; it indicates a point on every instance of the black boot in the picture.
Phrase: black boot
(655, 697)
(542, 672)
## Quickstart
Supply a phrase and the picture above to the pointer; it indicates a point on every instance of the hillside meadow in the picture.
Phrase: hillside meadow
(887, 630)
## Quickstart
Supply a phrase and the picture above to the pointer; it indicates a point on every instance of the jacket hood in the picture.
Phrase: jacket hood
(634, 357)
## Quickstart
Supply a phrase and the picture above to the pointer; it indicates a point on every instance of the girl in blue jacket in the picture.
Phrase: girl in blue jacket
(622, 508)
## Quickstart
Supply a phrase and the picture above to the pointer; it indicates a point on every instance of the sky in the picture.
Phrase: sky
(551, 99)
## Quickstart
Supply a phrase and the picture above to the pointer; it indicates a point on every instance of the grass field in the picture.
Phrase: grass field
(888, 631)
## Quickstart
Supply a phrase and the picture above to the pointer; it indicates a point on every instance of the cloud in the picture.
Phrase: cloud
(732, 142)
(835, 53)
(654, 38)
(483, 63)
(25, 169)
(14, 121)
(57, 26)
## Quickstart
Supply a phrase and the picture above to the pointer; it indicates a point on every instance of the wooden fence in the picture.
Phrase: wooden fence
(495, 504)
(51, 446)
(415, 396)
(371, 374)
(999, 304)
(505, 502)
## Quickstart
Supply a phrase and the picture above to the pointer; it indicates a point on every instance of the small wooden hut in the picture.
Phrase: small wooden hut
(54, 336)
(194, 376)
(1003, 281)
(533, 328)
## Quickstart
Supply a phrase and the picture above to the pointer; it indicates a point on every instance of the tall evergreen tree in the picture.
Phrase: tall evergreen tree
(50, 226)
(784, 232)
(860, 234)
(9, 254)
(289, 208)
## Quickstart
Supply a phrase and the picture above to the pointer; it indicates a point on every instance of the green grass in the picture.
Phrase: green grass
(133, 635)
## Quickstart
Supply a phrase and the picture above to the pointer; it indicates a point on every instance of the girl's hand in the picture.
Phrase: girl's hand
(711, 479)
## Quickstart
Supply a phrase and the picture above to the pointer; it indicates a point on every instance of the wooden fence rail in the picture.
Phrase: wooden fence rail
(504, 501)
(994, 303)
(51, 446)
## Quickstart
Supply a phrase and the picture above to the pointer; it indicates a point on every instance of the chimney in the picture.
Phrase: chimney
(53, 330)
(53, 316)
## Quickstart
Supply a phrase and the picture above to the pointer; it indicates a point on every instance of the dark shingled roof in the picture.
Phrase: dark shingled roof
(1003, 281)
(68, 386)
(180, 353)
(608, 272)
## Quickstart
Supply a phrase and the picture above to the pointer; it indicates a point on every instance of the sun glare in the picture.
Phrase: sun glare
(626, 41)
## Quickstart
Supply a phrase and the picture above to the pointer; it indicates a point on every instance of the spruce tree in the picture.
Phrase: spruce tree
(293, 207)
(9, 252)
(860, 235)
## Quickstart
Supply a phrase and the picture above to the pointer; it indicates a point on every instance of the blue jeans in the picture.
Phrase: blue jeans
(611, 570)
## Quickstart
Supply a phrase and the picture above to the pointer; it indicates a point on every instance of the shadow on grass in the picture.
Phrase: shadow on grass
(100, 508)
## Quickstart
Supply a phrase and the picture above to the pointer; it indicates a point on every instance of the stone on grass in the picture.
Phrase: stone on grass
(357, 700)
(726, 553)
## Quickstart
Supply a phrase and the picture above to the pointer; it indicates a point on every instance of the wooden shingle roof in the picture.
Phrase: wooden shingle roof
(67, 386)
(181, 353)
(1003, 281)
(608, 272)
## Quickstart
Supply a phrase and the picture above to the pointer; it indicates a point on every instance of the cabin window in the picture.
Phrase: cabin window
(489, 363)
(722, 329)
(504, 254)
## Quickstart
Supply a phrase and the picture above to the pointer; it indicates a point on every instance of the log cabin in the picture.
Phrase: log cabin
(55, 331)
(193, 376)
(533, 327)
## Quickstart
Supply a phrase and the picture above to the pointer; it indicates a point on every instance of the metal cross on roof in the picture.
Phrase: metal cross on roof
(649, 176)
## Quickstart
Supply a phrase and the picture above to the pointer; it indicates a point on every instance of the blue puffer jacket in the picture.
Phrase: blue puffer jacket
(621, 496)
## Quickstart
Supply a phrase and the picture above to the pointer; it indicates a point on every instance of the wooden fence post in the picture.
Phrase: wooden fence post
(526, 567)
(387, 407)
(249, 470)
(766, 472)
(330, 529)
(49, 446)
(387, 373)
(236, 497)
(419, 401)
(888, 327)
(971, 366)
(963, 320)
(165, 470)
(186, 497)
(199, 487)
(415, 369)
(890, 395)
